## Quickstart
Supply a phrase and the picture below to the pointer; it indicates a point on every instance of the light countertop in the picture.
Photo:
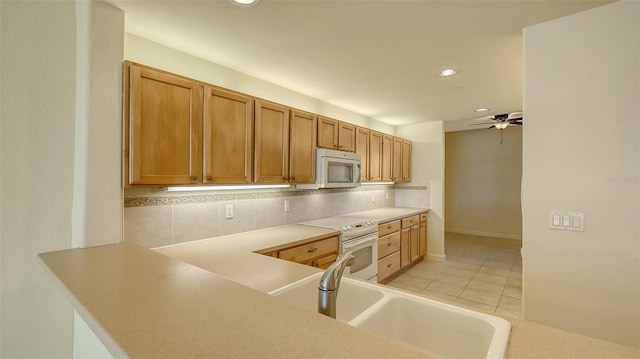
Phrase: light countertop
(207, 299)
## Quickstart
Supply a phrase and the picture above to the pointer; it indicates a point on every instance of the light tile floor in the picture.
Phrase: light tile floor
(479, 272)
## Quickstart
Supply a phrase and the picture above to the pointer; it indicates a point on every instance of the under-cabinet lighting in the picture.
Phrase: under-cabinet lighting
(223, 188)
(376, 183)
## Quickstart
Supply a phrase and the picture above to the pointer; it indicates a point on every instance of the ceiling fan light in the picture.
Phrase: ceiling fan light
(448, 72)
(501, 125)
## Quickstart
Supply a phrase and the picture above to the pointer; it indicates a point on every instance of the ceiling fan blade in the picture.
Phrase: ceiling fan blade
(493, 126)
(516, 123)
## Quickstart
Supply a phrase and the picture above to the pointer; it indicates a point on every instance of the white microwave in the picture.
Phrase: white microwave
(335, 169)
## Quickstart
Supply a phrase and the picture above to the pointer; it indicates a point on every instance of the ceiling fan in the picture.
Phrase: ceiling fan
(502, 121)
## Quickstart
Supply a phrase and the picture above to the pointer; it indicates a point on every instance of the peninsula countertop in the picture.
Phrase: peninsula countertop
(208, 299)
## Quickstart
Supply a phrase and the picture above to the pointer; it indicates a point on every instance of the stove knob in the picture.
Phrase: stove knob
(348, 228)
(344, 228)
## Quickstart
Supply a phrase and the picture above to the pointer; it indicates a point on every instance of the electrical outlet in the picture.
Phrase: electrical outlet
(287, 205)
(386, 195)
(373, 198)
(229, 211)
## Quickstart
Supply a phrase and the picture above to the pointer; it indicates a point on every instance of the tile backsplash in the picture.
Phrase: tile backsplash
(154, 218)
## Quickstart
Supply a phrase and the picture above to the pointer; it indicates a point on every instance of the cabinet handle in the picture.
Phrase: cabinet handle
(293, 178)
(388, 227)
(195, 178)
(312, 250)
(389, 244)
(209, 178)
(389, 265)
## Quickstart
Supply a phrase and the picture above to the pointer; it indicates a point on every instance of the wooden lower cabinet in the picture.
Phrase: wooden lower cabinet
(388, 265)
(321, 253)
(422, 236)
(401, 244)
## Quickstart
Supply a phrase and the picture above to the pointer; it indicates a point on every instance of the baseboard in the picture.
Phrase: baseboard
(437, 257)
(484, 234)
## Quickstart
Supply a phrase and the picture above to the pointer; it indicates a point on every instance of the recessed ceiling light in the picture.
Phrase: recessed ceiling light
(245, 2)
(482, 109)
(447, 72)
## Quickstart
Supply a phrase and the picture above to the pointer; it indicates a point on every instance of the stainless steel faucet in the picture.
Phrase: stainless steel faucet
(330, 283)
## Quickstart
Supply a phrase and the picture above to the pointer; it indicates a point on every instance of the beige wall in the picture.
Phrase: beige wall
(581, 153)
(482, 182)
(38, 99)
(49, 101)
(428, 168)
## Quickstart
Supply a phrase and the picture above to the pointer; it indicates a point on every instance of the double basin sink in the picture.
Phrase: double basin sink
(439, 329)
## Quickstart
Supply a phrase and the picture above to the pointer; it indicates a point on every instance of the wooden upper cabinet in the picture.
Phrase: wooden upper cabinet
(328, 133)
(375, 156)
(387, 157)
(228, 136)
(302, 147)
(396, 163)
(162, 128)
(336, 135)
(272, 143)
(362, 148)
(407, 154)
(346, 137)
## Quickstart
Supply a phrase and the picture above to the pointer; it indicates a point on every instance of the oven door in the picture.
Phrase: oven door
(365, 253)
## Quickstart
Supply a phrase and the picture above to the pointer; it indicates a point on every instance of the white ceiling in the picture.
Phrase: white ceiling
(376, 58)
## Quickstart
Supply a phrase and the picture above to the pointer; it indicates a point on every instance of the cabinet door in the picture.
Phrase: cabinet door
(362, 148)
(162, 128)
(423, 239)
(414, 240)
(405, 247)
(396, 162)
(272, 143)
(375, 156)
(302, 148)
(387, 157)
(328, 133)
(346, 137)
(406, 160)
(228, 136)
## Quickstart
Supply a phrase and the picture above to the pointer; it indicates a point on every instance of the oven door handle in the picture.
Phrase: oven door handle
(356, 242)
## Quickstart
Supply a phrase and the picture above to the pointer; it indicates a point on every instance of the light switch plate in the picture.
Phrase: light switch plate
(228, 211)
(567, 221)
(287, 205)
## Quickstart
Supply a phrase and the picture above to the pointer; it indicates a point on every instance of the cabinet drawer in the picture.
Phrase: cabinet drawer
(388, 244)
(387, 228)
(423, 217)
(388, 265)
(410, 221)
(309, 251)
(325, 262)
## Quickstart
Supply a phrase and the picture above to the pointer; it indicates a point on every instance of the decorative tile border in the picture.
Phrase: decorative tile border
(170, 200)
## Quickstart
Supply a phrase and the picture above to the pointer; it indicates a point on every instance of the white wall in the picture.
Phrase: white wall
(161, 57)
(428, 167)
(482, 182)
(98, 194)
(43, 65)
(581, 153)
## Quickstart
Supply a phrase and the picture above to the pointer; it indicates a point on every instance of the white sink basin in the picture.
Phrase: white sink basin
(353, 296)
(440, 329)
